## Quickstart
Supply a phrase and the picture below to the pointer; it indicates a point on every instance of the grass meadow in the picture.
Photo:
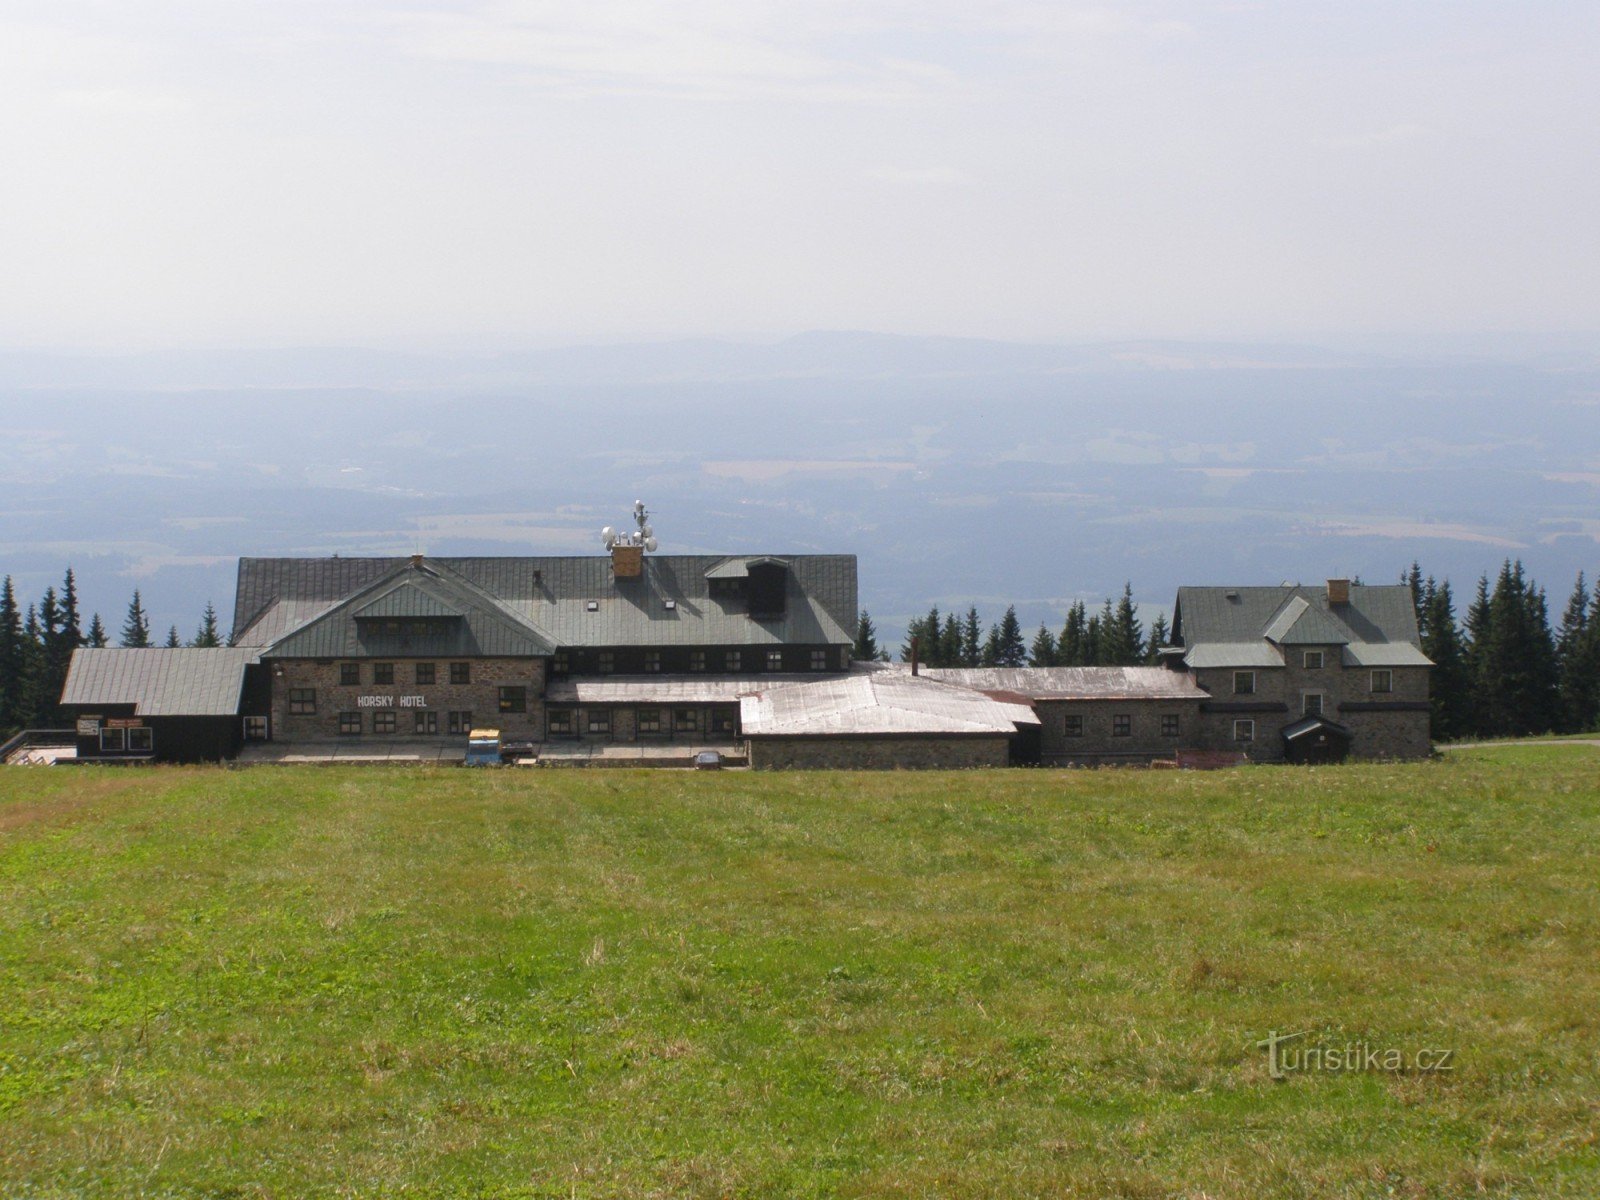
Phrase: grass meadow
(289, 982)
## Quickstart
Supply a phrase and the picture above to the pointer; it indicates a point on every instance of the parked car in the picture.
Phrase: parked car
(708, 760)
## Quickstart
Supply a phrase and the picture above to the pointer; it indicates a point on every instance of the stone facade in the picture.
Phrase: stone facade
(1155, 730)
(405, 698)
(1392, 724)
(879, 753)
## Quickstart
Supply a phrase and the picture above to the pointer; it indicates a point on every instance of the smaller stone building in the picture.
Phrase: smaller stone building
(1094, 716)
(1306, 674)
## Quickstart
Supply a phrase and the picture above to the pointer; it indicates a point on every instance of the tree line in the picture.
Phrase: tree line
(36, 648)
(1501, 668)
(1113, 636)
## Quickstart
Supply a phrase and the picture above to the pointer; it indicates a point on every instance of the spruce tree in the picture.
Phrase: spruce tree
(1516, 679)
(971, 639)
(1072, 645)
(1159, 633)
(864, 650)
(950, 641)
(97, 633)
(34, 688)
(1577, 684)
(1093, 635)
(1043, 651)
(990, 656)
(1451, 684)
(206, 637)
(1128, 637)
(1011, 650)
(174, 642)
(13, 663)
(1477, 631)
(136, 626)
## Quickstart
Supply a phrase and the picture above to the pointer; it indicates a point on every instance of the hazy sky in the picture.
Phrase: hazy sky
(242, 172)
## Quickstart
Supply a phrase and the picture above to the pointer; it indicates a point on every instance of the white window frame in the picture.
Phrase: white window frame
(1244, 729)
(1387, 675)
(1251, 690)
(1309, 664)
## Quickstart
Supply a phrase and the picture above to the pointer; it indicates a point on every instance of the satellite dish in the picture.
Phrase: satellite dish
(608, 535)
(646, 530)
(650, 544)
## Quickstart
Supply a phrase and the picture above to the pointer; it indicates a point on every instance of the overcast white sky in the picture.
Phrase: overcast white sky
(282, 171)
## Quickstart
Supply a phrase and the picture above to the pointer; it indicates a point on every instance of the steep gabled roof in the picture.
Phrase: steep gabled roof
(461, 621)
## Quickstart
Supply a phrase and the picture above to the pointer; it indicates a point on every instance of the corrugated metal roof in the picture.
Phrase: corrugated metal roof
(1234, 654)
(189, 682)
(666, 689)
(879, 702)
(1074, 683)
(551, 595)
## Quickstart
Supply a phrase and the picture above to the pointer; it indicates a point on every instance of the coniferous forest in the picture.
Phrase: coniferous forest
(1504, 663)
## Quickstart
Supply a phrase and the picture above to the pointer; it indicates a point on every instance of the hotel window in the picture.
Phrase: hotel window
(513, 699)
(652, 660)
(1169, 724)
(721, 721)
(350, 674)
(599, 720)
(819, 660)
(349, 723)
(112, 739)
(460, 673)
(1073, 726)
(558, 664)
(697, 660)
(427, 722)
(302, 702)
(382, 673)
(1311, 704)
(1121, 725)
(774, 660)
(649, 720)
(1244, 731)
(1244, 683)
(561, 722)
(1313, 660)
(733, 660)
(608, 662)
(685, 719)
(425, 673)
(141, 740)
(1383, 681)
(383, 722)
(459, 722)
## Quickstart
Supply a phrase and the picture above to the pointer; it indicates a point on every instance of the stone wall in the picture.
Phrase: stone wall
(879, 753)
(1097, 743)
(1278, 701)
(480, 697)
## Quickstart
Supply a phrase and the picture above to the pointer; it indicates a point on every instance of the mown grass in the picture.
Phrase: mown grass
(322, 981)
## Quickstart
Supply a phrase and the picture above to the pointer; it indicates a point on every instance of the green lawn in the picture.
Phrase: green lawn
(368, 981)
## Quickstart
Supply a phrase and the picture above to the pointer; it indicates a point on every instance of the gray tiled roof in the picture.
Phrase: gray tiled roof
(552, 595)
(1074, 683)
(189, 682)
(1243, 626)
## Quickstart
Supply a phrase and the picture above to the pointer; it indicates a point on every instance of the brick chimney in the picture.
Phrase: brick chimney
(627, 562)
(1338, 591)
